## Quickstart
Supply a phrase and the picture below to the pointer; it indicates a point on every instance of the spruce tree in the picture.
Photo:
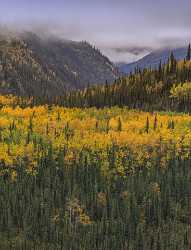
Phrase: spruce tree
(172, 63)
(147, 125)
(188, 56)
(155, 122)
(160, 70)
(119, 127)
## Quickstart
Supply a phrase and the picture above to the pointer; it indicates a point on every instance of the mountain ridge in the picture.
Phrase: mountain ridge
(31, 65)
(153, 59)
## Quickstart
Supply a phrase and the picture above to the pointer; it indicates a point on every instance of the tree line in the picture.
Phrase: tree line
(148, 89)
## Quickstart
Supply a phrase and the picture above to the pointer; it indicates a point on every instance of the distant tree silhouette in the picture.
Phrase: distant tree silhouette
(188, 56)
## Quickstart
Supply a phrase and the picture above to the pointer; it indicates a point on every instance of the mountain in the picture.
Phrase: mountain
(153, 59)
(31, 65)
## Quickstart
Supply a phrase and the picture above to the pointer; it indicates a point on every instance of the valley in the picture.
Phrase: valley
(91, 158)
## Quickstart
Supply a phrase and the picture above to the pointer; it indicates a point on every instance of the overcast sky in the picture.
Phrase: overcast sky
(124, 29)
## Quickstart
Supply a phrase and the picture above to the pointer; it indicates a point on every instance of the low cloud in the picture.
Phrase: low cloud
(123, 30)
(119, 49)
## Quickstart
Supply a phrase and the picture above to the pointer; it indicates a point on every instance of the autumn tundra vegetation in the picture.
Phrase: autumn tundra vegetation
(103, 168)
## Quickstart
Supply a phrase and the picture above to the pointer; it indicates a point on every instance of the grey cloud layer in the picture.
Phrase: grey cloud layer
(117, 27)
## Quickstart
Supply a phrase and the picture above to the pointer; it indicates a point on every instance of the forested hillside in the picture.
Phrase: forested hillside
(86, 179)
(95, 155)
(148, 89)
(78, 172)
(76, 64)
(33, 66)
(108, 178)
(22, 73)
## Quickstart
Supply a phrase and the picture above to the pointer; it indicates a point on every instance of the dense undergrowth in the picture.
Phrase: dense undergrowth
(86, 179)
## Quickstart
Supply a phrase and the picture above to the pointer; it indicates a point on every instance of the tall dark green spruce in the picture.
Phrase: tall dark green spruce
(188, 56)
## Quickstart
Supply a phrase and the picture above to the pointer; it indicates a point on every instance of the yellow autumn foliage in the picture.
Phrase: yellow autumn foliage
(92, 129)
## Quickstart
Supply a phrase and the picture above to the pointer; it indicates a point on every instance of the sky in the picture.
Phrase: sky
(125, 30)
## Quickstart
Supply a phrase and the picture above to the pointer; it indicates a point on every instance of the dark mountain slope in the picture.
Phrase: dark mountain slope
(75, 63)
(30, 65)
(153, 59)
(21, 72)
